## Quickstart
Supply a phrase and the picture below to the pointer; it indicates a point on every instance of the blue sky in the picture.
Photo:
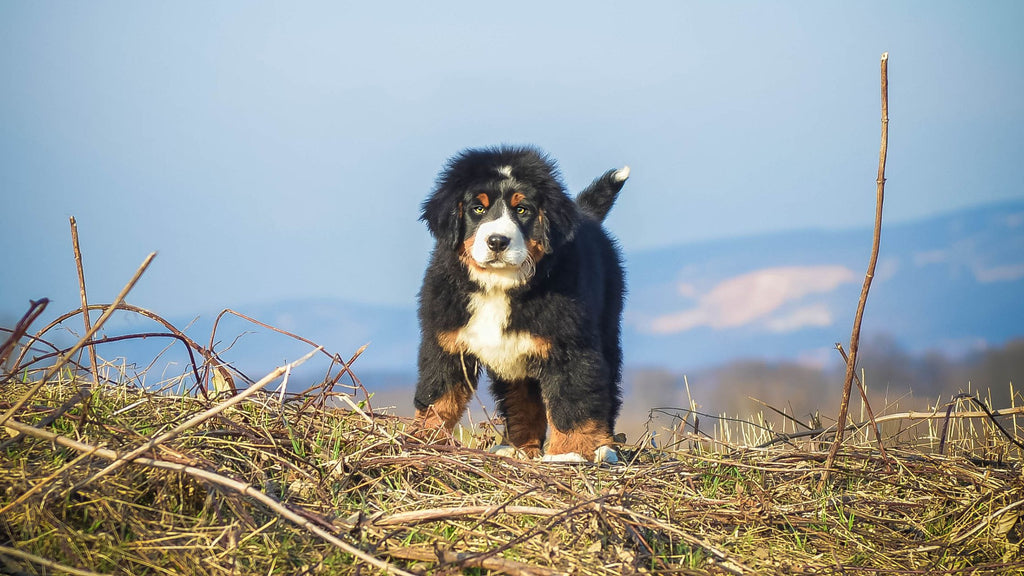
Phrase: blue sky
(278, 150)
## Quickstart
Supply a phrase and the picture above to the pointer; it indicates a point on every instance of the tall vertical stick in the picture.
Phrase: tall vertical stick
(85, 300)
(851, 364)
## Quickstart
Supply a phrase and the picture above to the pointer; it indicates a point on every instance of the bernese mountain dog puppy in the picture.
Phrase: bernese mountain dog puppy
(526, 283)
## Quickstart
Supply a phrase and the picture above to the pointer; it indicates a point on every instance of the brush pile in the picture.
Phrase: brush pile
(114, 477)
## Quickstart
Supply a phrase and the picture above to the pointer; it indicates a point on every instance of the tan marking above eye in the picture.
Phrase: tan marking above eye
(516, 199)
(483, 199)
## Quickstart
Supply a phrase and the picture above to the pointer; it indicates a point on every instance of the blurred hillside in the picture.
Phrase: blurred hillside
(897, 380)
(746, 317)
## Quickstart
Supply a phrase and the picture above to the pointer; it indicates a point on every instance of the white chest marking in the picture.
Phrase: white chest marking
(487, 337)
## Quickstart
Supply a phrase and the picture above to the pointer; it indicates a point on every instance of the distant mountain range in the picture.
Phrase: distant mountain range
(952, 284)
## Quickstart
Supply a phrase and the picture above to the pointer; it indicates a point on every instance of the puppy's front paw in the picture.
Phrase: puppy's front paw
(509, 452)
(606, 454)
(567, 457)
(603, 455)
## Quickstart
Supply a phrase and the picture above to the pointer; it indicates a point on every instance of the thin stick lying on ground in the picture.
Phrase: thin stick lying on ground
(85, 301)
(15, 553)
(198, 419)
(241, 487)
(435, 514)
(851, 365)
(81, 342)
(988, 520)
(469, 560)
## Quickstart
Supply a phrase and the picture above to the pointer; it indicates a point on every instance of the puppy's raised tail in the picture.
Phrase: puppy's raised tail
(597, 199)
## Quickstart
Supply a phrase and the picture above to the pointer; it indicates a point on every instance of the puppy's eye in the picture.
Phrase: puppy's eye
(478, 209)
(522, 210)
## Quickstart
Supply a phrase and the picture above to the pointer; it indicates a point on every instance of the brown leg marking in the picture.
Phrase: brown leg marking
(582, 440)
(525, 422)
(443, 414)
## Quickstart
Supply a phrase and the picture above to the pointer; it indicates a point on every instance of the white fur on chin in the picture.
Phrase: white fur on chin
(503, 279)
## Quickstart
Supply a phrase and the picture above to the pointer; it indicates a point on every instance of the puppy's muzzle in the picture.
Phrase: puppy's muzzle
(497, 243)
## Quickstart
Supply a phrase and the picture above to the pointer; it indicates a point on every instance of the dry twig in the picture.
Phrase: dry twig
(15, 553)
(851, 365)
(81, 342)
(199, 418)
(469, 560)
(214, 478)
(85, 300)
(36, 308)
(867, 404)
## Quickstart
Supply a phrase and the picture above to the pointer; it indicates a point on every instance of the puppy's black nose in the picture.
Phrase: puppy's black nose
(497, 242)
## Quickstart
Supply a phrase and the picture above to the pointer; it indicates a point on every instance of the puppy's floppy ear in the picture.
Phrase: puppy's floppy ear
(442, 212)
(559, 218)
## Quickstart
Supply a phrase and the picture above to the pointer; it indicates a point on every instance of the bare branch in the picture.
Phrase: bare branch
(851, 365)
(81, 342)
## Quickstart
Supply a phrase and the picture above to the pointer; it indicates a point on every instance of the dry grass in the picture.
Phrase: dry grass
(319, 484)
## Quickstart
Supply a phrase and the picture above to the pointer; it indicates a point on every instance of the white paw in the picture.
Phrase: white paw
(621, 174)
(508, 451)
(606, 454)
(567, 457)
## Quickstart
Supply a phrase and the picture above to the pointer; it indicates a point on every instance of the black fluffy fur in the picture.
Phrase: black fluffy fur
(597, 199)
(574, 299)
